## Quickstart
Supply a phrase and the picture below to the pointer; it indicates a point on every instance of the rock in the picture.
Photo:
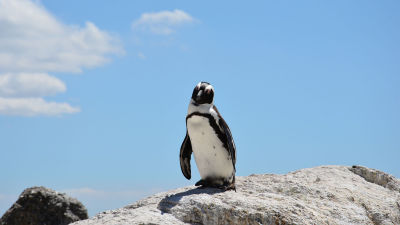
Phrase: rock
(43, 206)
(377, 177)
(321, 195)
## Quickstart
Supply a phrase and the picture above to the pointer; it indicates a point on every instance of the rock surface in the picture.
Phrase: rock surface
(321, 195)
(377, 177)
(43, 206)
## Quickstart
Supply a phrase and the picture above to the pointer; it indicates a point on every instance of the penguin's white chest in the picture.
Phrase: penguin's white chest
(211, 157)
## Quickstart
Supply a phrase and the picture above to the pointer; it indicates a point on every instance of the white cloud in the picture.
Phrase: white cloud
(34, 43)
(32, 40)
(97, 200)
(141, 55)
(86, 192)
(30, 85)
(164, 22)
(34, 107)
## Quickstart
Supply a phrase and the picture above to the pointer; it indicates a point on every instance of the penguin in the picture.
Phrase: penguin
(210, 139)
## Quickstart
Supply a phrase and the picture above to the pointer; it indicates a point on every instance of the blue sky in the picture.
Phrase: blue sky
(93, 95)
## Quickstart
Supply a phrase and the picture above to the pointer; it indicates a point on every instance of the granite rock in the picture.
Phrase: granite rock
(320, 195)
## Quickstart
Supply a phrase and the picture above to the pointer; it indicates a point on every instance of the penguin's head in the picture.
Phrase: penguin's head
(203, 93)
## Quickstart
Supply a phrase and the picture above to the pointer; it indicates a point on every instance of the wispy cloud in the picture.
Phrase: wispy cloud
(97, 200)
(164, 22)
(86, 192)
(34, 107)
(30, 85)
(34, 43)
(141, 55)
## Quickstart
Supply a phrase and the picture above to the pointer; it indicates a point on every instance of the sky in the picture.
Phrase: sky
(94, 94)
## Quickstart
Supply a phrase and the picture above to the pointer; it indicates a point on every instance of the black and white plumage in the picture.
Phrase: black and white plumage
(210, 139)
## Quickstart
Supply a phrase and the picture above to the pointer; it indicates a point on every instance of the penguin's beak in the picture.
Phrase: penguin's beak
(199, 95)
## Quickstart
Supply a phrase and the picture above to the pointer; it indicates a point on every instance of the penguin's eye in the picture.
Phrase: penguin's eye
(195, 91)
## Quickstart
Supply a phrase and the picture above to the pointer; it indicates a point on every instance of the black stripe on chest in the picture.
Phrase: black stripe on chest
(213, 124)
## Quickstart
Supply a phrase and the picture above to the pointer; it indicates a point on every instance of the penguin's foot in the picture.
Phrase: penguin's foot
(206, 184)
(202, 183)
(226, 186)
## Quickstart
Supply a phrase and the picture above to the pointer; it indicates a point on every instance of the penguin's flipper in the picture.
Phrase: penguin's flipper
(229, 140)
(184, 157)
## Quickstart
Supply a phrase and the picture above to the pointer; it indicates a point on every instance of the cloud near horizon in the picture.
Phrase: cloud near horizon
(163, 22)
(97, 200)
(32, 44)
(87, 192)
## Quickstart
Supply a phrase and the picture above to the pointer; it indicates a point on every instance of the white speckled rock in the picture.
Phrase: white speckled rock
(321, 195)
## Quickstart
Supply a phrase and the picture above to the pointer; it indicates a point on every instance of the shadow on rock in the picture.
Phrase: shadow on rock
(170, 201)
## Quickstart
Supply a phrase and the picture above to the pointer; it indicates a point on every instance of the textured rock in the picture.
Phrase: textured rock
(377, 177)
(321, 195)
(43, 206)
